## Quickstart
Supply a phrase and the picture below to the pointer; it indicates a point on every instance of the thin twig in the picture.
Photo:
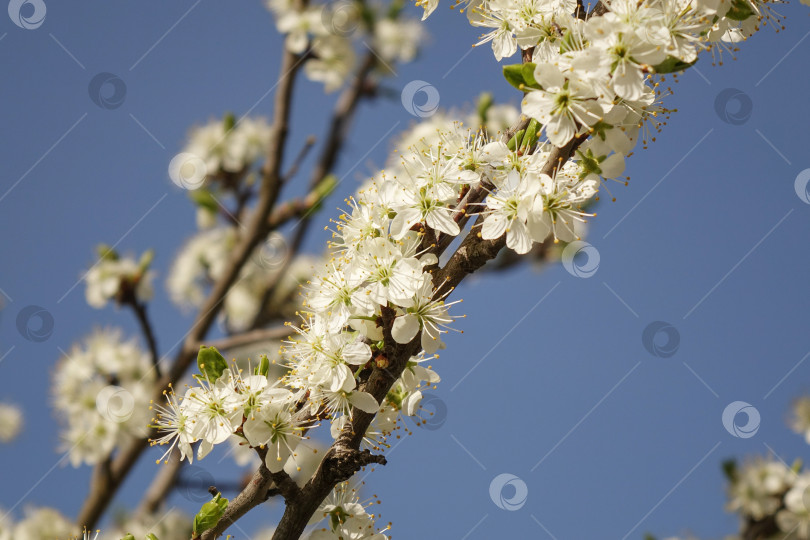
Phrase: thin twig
(143, 320)
(302, 154)
(336, 135)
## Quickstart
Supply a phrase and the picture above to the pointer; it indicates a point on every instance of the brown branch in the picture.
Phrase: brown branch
(162, 485)
(302, 154)
(599, 9)
(101, 493)
(255, 493)
(345, 109)
(143, 320)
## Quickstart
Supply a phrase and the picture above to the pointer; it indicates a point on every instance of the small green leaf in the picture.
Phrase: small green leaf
(730, 470)
(740, 10)
(527, 71)
(204, 199)
(210, 514)
(325, 186)
(485, 101)
(530, 137)
(514, 75)
(106, 253)
(514, 142)
(151, 536)
(211, 363)
(128, 537)
(264, 366)
(146, 260)
(228, 122)
(672, 65)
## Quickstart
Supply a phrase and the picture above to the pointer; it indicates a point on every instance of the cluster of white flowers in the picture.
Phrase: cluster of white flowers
(113, 276)
(101, 390)
(49, 524)
(800, 421)
(379, 274)
(596, 75)
(346, 516)
(766, 487)
(758, 487)
(37, 524)
(202, 261)
(11, 419)
(227, 146)
(326, 33)
(234, 405)
(169, 524)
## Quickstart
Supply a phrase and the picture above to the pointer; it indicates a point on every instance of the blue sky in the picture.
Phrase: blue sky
(550, 381)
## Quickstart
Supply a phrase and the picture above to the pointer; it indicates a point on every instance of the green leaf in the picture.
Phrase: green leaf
(485, 101)
(204, 199)
(146, 260)
(325, 186)
(211, 363)
(514, 142)
(106, 253)
(395, 8)
(514, 75)
(672, 65)
(730, 470)
(151, 536)
(528, 75)
(521, 76)
(228, 122)
(740, 10)
(264, 366)
(530, 137)
(210, 514)
(128, 537)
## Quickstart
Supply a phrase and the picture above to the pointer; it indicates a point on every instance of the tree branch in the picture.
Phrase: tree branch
(101, 493)
(143, 320)
(334, 140)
